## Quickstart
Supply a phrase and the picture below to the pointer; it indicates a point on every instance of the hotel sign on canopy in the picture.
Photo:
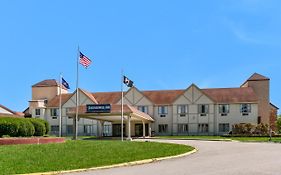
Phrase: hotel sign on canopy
(99, 108)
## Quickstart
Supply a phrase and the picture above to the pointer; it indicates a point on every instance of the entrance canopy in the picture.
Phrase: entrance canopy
(114, 115)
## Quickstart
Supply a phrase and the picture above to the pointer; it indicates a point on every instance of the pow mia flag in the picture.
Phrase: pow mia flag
(127, 81)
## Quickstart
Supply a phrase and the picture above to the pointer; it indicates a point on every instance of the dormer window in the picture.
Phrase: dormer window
(245, 109)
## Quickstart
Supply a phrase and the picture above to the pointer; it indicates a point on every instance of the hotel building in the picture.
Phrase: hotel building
(190, 111)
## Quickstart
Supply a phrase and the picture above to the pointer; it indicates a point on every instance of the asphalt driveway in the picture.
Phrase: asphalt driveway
(213, 158)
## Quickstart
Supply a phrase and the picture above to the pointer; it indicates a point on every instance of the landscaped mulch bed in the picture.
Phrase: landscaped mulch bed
(31, 140)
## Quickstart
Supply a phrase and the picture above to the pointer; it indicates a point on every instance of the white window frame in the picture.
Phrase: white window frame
(226, 107)
(37, 110)
(54, 112)
(182, 128)
(203, 128)
(143, 109)
(179, 110)
(200, 109)
(163, 128)
(223, 126)
(162, 111)
(245, 108)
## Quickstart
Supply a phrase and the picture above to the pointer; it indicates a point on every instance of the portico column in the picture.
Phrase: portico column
(129, 128)
(143, 129)
(149, 129)
(102, 127)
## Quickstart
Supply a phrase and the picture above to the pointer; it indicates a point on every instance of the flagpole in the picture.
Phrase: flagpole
(60, 119)
(75, 120)
(122, 105)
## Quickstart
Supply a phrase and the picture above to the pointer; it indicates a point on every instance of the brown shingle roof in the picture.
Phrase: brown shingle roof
(56, 100)
(48, 83)
(232, 95)
(13, 113)
(165, 97)
(162, 96)
(107, 97)
(256, 77)
(88, 94)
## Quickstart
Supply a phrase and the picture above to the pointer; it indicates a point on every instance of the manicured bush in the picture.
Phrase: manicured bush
(249, 129)
(8, 126)
(39, 126)
(47, 125)
(26, 128)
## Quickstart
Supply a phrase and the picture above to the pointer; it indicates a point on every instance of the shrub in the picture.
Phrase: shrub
(278, 124)
(26, 128)
(248, 129)
(39, 126)
(8, 126)
(47, 125)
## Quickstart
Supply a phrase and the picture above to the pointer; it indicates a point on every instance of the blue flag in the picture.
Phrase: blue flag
(64, 83)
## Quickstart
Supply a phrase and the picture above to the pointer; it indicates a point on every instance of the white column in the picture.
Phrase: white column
(149, 129)
(143, 129)
(129, 128)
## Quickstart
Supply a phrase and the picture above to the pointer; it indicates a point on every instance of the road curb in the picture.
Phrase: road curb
(139, 162)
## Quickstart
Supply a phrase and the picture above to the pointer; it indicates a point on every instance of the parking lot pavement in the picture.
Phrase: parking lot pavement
(213, 158)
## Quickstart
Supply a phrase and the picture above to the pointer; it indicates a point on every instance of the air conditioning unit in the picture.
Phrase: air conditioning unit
(162, 115)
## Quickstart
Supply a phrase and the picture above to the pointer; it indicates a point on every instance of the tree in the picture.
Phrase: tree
(278, 124)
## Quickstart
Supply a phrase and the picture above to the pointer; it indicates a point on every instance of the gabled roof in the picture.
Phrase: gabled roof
(232, 95)
(13, 113)
(89, 95)
(7, 109)
(54, 102)
(48, 83)
(274, 106)
(162, 96)
(257, 77)
(107, 97)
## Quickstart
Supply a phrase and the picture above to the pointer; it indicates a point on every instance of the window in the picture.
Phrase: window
(162, 110)
(143, 109)
(37, 112)
(54, 112)
(203, 128)
(182, 128)
(163, 128)
(224, 109)
(55, 128)
(69, 129)
(182, 110)
(224, 127)
(203, 110)
(88, 129)
(245, 109)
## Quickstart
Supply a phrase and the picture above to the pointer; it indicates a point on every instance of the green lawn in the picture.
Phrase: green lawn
(242, 139)
(18, 159)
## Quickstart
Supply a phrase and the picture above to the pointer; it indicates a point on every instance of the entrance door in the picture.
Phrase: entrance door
(116, 130)
(139, 129)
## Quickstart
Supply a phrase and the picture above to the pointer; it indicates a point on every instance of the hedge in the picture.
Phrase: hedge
(23, 127)
(26, 128)
(39, 126)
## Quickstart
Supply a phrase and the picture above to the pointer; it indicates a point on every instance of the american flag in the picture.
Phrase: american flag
(85, 61)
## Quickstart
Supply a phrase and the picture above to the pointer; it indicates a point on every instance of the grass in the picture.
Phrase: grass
(18, 159)
(242, 139)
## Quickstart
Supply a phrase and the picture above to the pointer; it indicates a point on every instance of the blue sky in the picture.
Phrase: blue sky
(160, 44)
